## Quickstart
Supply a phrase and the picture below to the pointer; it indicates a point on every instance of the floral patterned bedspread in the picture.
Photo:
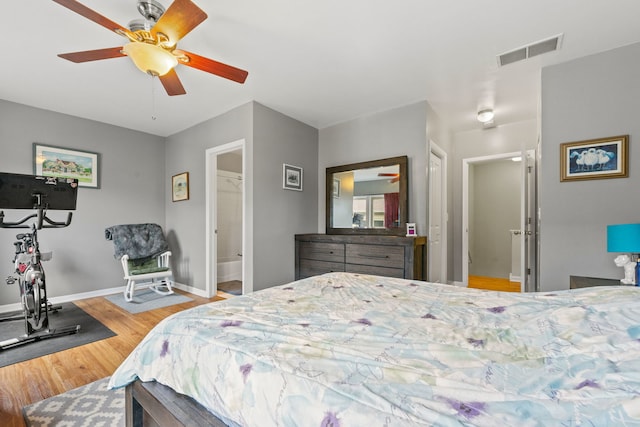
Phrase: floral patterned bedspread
(354, 350)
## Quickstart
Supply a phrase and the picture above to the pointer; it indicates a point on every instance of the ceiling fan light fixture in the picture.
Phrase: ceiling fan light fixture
(150, 9)
(150, 58)
(485, 115)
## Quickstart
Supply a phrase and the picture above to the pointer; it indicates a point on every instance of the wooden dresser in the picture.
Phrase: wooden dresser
(391, 256)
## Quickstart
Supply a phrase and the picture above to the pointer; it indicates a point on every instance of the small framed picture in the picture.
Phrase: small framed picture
(291, 177)
(411, 229)
(336, 188)
(180, 187)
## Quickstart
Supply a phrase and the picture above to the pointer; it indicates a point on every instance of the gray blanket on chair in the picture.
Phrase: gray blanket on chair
(137, 240)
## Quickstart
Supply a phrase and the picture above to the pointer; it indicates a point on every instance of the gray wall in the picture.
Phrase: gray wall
(132, 190)
(592, 97)
(280, 214)
(501, 139)
(496, 210)
(397, 132)
(136, 170)
(276, 214)
(186, 220)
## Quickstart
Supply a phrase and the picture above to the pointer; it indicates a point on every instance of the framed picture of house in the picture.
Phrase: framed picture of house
(180, 187)
(594, 159)
(291, 177)
(62, 162)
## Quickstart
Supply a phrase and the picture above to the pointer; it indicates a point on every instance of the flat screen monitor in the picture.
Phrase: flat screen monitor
(18, 191)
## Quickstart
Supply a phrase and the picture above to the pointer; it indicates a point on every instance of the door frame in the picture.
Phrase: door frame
(527, 196)
(211, 220)
(436, 150)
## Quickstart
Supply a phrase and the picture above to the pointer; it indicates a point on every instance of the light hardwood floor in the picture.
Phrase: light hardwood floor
(493, 284)
(37, 379)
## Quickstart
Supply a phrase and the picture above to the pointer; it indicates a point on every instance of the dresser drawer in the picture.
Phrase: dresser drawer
(309, 267)
(332, 252)
(375, 270)
(375, 255)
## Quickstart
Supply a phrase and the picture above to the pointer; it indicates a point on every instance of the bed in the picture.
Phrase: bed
(346, 349)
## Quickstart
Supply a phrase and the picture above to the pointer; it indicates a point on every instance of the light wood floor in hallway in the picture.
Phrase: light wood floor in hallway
(493, 284)
(36, 379)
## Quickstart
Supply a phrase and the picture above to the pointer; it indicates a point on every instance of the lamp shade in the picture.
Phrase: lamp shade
(623, 238)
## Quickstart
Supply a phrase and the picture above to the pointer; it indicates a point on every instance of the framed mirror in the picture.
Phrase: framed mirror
(368, 197)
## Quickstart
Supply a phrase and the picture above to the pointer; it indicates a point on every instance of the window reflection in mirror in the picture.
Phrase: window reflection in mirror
(368, 197)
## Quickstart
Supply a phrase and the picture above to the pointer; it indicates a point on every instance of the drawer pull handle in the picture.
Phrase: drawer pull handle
(375, 256)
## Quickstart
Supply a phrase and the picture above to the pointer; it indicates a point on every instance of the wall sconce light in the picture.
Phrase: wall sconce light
(485, 116)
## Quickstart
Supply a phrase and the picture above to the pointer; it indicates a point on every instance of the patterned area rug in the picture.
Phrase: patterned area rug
(90, 405)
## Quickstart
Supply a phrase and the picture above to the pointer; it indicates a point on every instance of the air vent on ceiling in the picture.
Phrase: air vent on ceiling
(529, 51)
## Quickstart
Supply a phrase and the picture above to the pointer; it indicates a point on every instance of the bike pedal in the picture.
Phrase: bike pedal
(11, 280)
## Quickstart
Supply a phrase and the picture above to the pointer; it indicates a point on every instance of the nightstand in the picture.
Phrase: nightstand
(576, 282)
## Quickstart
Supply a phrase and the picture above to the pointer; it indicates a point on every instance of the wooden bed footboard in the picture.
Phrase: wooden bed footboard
(151, 404)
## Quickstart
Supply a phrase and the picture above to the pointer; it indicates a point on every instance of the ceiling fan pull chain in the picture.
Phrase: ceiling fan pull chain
(153, 98)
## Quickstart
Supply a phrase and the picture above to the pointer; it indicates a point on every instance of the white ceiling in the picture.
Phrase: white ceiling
(321, 62)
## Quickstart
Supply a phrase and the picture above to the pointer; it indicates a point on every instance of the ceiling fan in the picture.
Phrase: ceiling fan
(395, 177)
(152, 42)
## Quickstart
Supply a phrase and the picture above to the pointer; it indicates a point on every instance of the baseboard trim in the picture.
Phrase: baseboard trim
(99, 293)
(67, 298)
(196, 291)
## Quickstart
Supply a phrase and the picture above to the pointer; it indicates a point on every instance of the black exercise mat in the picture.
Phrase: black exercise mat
(69, 315)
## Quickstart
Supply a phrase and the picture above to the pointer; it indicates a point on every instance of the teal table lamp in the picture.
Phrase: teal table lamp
(625, 238)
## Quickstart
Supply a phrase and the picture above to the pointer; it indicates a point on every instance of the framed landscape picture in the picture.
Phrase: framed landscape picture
(67, 163)
(594, 159)
(180, 187)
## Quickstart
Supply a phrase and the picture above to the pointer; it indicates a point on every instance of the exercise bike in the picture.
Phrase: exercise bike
(30, 275)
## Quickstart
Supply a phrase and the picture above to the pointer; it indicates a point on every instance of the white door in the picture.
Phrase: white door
(436, 238)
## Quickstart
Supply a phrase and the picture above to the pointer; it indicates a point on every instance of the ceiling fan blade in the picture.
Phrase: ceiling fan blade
(172, 83)
(94, 16)
(93, 55)
(211, 66)
(179, 19)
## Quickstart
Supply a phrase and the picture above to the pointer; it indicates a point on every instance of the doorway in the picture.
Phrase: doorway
(229, 222)
(498, 227)
(226, 219)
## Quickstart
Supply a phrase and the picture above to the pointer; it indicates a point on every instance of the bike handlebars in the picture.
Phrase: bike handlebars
(42, 220)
